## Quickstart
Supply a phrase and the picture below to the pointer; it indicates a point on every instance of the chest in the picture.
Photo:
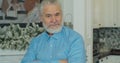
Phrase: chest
(53, 49)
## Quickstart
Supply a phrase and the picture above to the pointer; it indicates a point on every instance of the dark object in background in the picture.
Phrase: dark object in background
(115, 52)
(14, 1)
(30, 4)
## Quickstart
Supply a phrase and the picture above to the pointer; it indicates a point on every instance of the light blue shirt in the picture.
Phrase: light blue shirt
(64, 45)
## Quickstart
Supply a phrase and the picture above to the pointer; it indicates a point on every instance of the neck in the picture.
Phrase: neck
(50, 34)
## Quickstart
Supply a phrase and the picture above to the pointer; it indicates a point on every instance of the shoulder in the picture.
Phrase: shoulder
(72, 35)
(70, 32)
(38, 38)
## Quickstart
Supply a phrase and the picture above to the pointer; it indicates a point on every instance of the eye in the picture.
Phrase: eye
(48, 15)
(57, 14)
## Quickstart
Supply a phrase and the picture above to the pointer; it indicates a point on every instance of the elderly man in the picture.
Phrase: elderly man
(58, 44)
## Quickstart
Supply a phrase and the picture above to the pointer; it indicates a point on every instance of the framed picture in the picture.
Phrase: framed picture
(13, 9)
(17, 28)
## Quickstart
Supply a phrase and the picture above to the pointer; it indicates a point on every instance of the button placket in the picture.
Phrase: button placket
(51, 47)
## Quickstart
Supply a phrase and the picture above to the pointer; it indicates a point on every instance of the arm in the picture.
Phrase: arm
(63, 61)
(77, 51)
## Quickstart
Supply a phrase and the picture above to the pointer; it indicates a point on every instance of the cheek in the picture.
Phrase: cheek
(60, 19)
(46, 21)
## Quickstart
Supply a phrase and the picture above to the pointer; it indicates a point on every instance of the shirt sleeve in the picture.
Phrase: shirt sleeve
(77, 52)
(30, 55)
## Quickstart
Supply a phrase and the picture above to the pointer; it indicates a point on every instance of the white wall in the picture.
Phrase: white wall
(68, 10)
(107, 13)
(67, 6)
(79, 16)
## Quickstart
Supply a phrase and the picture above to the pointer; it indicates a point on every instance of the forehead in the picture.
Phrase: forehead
(51, 8)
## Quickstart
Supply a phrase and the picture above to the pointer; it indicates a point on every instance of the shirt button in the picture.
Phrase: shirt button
(50, 56)
(51, 45)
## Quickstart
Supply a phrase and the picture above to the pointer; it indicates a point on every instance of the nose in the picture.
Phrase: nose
(53, 19)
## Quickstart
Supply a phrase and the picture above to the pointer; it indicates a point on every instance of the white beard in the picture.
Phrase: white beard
(52, 30)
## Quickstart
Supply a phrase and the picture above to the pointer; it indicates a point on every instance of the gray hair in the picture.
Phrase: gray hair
(45, 2)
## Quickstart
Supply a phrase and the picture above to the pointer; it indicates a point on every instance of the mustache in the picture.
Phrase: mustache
(54, 23)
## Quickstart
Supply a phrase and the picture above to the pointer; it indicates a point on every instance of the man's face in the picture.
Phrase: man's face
(52, 18)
